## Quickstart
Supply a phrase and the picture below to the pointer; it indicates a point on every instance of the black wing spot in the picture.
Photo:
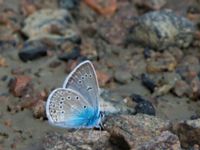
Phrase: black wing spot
(62, 112)
(86, 75)
(89, 88)
(62, 98)
(90, 75)
(68, 97)
(79, 81)
(82, 77)
(61, 102)
(61, 107)
(77, 97)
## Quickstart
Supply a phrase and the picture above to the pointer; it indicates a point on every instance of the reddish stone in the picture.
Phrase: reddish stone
(39, 109)
(103, 7)
(28, 7)
(20, 85)
(3, 62)
(103, 77)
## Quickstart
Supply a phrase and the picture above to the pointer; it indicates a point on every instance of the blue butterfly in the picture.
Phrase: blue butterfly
(76, 104)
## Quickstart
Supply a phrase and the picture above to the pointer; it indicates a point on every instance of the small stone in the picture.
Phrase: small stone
(54, 64)
(28, 7)
(165, 83)
(162, 29)
(195, 86)
(148, 83)
(52, 24)
(74, 54)
(39, 109)
(68, 4)
(114, 30)
(188, 68)
(181, 88)
(143, 106)
(103, 7)
(177, 53)
(122, 76)
(103, 77)
(3, 62)
(161, 62)
(32, 51)
(88, 48)
(150, 4)
(188, 132)
(19, 85)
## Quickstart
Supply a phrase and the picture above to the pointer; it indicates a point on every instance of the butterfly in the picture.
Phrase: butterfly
(76, 104)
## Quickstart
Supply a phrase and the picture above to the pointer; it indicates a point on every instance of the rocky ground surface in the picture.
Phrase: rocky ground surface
(147, 57)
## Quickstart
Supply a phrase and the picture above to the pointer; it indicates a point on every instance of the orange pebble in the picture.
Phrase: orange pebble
(103, 7)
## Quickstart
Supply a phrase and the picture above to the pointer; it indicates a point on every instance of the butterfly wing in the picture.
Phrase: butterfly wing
(84, 80)
(67, 108)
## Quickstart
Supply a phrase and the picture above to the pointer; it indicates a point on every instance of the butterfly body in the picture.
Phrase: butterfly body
(76, 105)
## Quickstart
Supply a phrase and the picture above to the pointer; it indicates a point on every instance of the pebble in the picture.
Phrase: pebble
(161, 62)
(68, 4)
(122, 76)
(188, 68)
(114, 30)
(103, 7)
(143, 106)
(166, 83)
(188, 132)
(181, 88)
(3, 62)
(39, 109)
(148, 83)
(162, 29)
(51, 24)
(103, 77)
(74, 54)
(28, 7)
(19, 85)
(151, 4)
(32, 51)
